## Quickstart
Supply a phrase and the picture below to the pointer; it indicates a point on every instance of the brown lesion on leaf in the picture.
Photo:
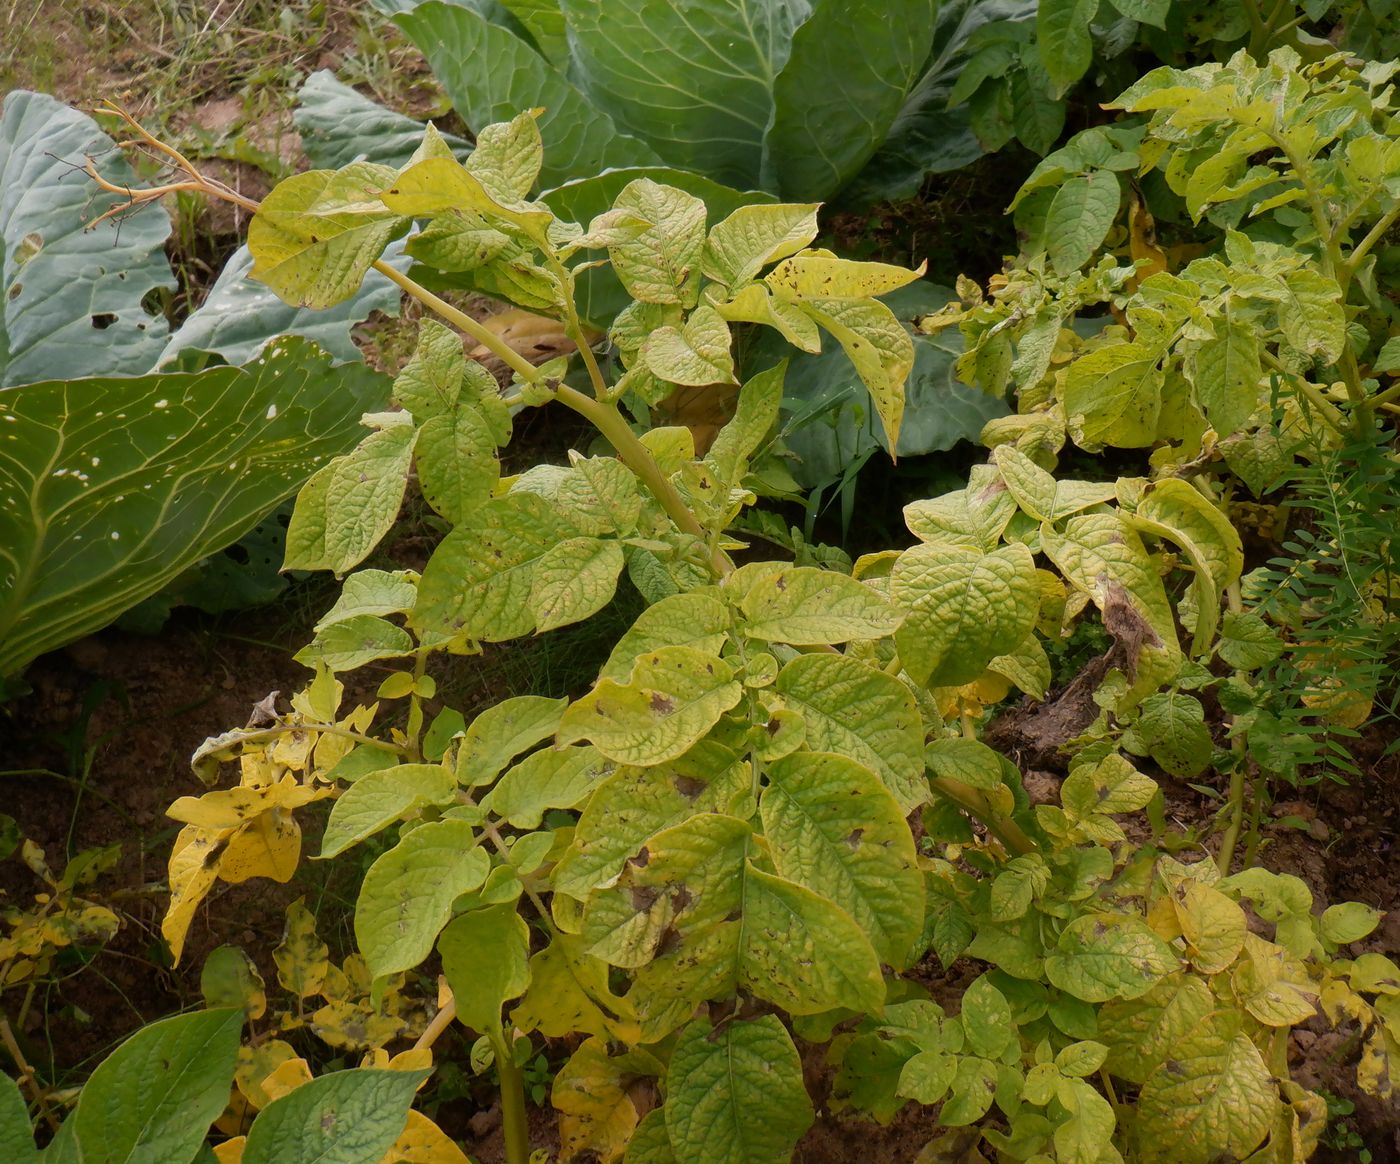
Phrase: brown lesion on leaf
(688, 786)
(661, 704)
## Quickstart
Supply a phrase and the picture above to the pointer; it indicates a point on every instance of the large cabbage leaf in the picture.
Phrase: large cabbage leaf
(112, 486)
(73, 302)
(802, 98)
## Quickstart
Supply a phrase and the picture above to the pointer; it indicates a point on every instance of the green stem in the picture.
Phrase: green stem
(517, 1130)
(1258, 33)
(1331, 414)
(573, 327)
(415, 707)
(1373, 236)
(605, 417)
(974, 802)
(478, 331)
(1381, 399)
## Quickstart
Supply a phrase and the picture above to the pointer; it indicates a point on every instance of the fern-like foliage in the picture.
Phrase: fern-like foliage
(1335, 590)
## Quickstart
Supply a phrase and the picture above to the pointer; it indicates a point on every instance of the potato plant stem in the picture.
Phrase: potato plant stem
(26, 1073)
(517, 1130)
(605, 417)
(974, 802)
(460, 319)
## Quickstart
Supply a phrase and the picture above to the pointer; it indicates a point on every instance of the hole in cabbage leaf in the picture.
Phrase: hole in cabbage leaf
(103, 320)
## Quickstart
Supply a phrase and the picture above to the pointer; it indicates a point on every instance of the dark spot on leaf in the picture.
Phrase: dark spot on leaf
(734, 914)
(774, 726)
(780, 582)
(328, 1119)
(642, 859)
(669, 943)
(643, 897)
(1174, 1067)
(662, 704)
(853, 838)
(680, 898)
(15, 289)
(103, 320)
(216, 851)
(688, 786)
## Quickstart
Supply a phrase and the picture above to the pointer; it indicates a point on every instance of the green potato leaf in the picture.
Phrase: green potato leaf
(407, 894)
(346, 1117)
(736, 1095)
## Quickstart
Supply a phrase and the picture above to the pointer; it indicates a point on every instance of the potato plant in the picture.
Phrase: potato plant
(774, 803)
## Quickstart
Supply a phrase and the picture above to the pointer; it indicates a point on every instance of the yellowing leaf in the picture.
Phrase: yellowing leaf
(193, 869)
(753, 236)
(1141, 1032)
(268, 847)
(754, 303)
(675, 695)
(442, 185)
(1113, 396)
(423, 1142)
(574, 579)
(1108, 955)
(697, 353)
(478, 581)
(1101, 557)
(833, 827)
(255, 1064)
(879, 349)
(805, 606)
(314, 237)
(234, 807)
(1272, 985)
(596, 1115)
(1174, 510)
(508, 155)
(823, 275)
(567, 993)
(1211, 1099)
(1214, 927)
(1042, 495)
(231, 1151)
(301, 957)
(285, 1078)
(662, 264)
(965, 609)
(885, 736)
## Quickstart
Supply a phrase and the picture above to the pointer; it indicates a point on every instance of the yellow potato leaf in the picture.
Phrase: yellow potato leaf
(1272, 985)
(268, 847)
(423, 1142)
(193, 869)
(596, 1115)
(286, 1077)
(230, 1151)
(301, 956)
(255, 1064)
